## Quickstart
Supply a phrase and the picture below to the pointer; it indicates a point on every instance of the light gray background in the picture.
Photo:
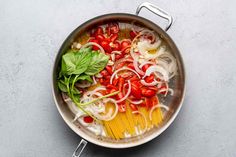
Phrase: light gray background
(31, 32)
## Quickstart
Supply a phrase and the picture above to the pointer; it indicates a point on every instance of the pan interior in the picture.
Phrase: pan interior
(177, 84)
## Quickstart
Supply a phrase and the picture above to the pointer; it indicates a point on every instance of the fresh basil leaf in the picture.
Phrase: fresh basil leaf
(76, 62)
(97, 63)
(62, 86)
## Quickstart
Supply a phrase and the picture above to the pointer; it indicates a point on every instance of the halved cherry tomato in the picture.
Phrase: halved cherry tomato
(119, 56)
(88, 119)
(163, 87)
(120, 65)
(150, 78)
(98, 30)
(133, 107)
(148, 102)
(106, 46)
(110, 86)
(148, 92)
(153, 88)
(134, 78)
(125, 44)
(136, 91)
(121, 107)
(131, 66)
(132, 34)
(145, 67)
(137, 84)
(114, 27)
(109, 69)
(113, 37)
(121, 83)
(95, 41)
(115, 81)
(104, 73)
(99, 37)
(115, 46)
(155, 100)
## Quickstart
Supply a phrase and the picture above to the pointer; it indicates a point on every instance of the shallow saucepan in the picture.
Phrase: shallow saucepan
(174, 102)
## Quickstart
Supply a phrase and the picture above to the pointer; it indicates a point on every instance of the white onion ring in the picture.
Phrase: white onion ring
(93, 44)
(155, 107)
(94, 80)
(108, 116)
(135, 62)
(127, 94)
(155, 82)
(135, 102)
(159, 69)
(146, 62)
(121, 69)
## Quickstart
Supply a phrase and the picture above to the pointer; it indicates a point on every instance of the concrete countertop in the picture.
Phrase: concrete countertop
(31, 33)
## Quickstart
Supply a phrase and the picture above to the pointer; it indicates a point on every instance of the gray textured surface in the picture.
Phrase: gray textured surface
(31, 33)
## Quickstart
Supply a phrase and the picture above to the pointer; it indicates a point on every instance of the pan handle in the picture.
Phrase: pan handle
(78, 151)
(158, 11)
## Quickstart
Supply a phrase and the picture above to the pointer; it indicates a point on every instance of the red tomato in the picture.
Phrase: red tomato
(109, 69)
(115, 46)
(164, 92)
(114, 27)
(125, 44)
(95, 41)
(150, 78)
(110, 86)
(121, 107)
(153, 88)
(117, 57)
(134, 78)
(113, 37)
(115, 81)
(148, 102)
(145, 67)
(99, 30)
(104, 73)
(132, 34)
(120, 65)
(88, 119)
(155, 100)
(136, 91)
(131, 66)
(137, 84)
(133, 107)
(148, 92)
(99, 37)
(121, 83)
(106, 46)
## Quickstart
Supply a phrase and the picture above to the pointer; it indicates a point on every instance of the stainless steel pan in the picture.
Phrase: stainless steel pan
(174, 102)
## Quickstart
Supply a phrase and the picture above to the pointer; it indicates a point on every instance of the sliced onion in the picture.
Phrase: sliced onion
(109, 116)
(145, 119)
(121, 69)
(113, 57)
(90, 93)
(171, 91)
(155, 82)
(135, 102)
(127, 94)
(155, 107)
(159, 69)
(94, 80)
(120, 61)
(146, 62)
(93, 44)
(135, 62)
(116, 52)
